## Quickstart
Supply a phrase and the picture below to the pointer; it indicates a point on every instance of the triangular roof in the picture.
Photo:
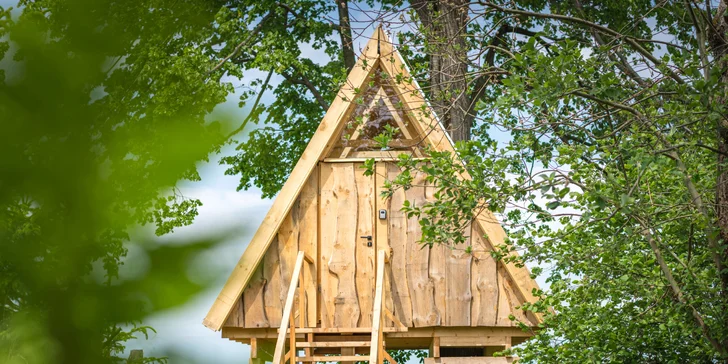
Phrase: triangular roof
(379, 53)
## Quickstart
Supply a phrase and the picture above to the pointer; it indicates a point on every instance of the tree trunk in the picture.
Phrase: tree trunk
(347, 46)
(444, 24)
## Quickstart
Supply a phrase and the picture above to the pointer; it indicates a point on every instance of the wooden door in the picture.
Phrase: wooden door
(347, 257)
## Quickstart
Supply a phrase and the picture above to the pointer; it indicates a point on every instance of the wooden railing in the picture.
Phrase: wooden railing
(288, 320)
(377, 348)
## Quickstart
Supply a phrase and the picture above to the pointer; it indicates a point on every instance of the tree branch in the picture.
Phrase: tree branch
(255, 105)
(253, 34)
(347, 46)
(302, 80)
(676, 288)
(592, 25)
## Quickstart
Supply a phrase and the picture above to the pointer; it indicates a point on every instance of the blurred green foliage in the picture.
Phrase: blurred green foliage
(95, 133)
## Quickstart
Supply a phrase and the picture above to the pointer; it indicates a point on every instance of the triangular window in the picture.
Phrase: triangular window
(378, 112)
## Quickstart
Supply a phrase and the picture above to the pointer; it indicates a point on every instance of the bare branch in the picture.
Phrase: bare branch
(631, 41)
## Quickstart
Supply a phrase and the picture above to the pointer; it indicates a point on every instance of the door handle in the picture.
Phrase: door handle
(369, 240)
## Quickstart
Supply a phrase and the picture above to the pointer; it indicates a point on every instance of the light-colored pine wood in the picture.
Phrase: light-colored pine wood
(327, 228)
(421, 287)
(470, 360)
(514, 301)
(287, 239)
(346, 330)
(352, 334)
(292, 327)
(426, 122)
(457, 285)
(495, 235)
(253, 347)
(302, 297)
(272, 291)
(390, 156)
(398, 243)
(347, 353)
(435, 348)
(333, 358)
(308, 242)
(253, 301)
(484, 282)
(505, 306)
(389, 358)
(377, 336)
(342, 263)
(381, 241)
(287, 318)
(365, 255)
(387, 312)
(334, 344)
(464, 341)
(437, 268)
(237, 316)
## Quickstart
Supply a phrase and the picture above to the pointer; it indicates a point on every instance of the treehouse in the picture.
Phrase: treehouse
(336, 268)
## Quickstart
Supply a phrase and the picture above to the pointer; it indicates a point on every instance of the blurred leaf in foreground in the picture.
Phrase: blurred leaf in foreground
(77, 170)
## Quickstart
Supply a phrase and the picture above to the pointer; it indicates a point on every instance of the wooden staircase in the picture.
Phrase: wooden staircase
(333, 344)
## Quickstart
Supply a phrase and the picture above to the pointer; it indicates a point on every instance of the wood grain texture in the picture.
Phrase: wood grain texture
(505, 305)
(308, 243)
(398, 243)
(237, 316)
(365, 259)
(381, 241)
(272, 290)
(327, 214)
(421, 287)
(342, 263)
(254, 305)
(288, 235)
(340, 205)
(457, 312)
(484, 282)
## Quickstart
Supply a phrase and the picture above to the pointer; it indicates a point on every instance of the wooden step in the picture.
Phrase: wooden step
(333, 344)
(309, 359)
(336, 330)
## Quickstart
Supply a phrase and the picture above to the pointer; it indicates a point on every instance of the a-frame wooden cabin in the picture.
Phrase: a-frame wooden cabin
(336, 269)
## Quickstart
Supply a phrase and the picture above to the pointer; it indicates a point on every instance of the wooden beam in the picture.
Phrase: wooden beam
(240, 333)
(254, 348)
(345, 330)
(389, 358)
(352, 358)
(435, 347)
(394, 319)
(335, 344)
(364, 159)
(455, 341)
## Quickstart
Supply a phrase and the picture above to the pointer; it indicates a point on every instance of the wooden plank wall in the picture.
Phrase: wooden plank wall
(443, 286)
(261, 304)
